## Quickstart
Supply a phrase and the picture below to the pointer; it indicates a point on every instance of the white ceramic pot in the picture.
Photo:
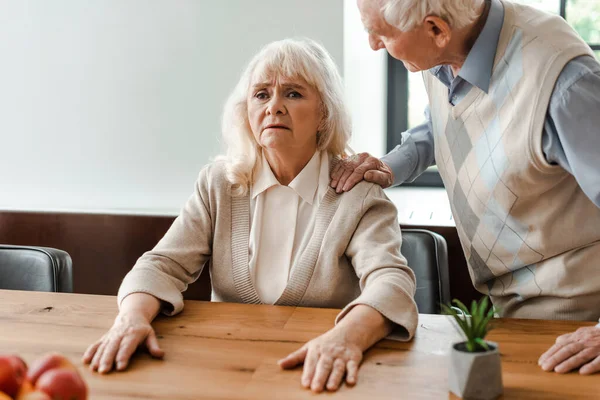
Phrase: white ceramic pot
(476, 376)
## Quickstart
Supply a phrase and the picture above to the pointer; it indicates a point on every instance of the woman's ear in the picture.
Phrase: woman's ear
(438, 30)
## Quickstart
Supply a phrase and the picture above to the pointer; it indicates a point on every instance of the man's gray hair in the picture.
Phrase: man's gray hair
(408, 14)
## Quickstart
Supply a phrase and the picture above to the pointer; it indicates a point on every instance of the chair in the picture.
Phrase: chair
(427, 255)
(32, 268)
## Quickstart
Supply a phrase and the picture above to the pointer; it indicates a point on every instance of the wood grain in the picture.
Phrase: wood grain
(229, 351)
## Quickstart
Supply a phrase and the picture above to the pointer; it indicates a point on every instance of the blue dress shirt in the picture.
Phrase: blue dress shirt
(571, 136)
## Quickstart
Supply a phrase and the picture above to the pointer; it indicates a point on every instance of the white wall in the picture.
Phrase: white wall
(365, 77)
(115, 105)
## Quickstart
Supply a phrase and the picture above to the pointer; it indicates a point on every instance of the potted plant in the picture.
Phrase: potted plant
(475, 371)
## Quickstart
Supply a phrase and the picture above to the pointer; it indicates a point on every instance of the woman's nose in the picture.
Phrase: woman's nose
(276, 106)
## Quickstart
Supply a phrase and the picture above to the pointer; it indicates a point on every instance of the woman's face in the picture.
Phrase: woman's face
(284, 115)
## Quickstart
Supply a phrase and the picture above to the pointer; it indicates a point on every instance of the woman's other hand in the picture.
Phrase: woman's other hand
(339, 351)
(131, 328)
(326, 359)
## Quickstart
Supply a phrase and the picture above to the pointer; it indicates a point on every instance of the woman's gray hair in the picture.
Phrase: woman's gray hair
(293, 59)
(408, 14)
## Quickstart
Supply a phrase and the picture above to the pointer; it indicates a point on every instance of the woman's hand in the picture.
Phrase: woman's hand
(326, 360)
(116, 347)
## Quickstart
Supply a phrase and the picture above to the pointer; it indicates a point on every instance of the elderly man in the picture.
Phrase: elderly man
(513, 126)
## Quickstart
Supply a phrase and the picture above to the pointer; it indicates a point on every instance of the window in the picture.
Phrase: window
(406, 93)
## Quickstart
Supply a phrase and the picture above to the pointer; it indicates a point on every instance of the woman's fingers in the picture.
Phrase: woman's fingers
(129, 344)
(310, 365)
(337, 374)
(293, 359)
(324, 367)
(98, 356)
(152, 345)
(351, 372)
(108, 355)
(89, 353)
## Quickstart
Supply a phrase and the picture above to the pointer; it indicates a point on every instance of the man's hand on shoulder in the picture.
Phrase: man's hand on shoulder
(350, 171)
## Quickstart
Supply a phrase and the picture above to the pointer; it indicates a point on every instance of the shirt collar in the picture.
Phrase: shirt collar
(477, 69)
(305, 184)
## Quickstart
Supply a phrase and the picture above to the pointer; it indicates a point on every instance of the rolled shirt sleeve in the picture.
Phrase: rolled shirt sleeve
(414, 155)
(571, 136)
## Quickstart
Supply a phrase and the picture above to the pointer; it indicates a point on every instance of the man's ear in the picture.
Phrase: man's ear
(438, 30)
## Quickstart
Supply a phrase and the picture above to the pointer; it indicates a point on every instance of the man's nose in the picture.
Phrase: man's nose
(376, 43)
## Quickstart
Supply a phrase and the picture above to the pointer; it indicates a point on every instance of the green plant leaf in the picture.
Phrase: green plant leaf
(482, 343)
(467, 321)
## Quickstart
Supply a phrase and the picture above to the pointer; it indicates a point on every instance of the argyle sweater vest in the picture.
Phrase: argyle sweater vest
(530, 235)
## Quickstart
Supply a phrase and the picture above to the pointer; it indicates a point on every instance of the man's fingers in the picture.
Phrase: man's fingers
(591, 367)
(576, 361)
(561, 355)
(342, 181)
(293, 359)
(336, 174)
(549, 353)
(381, 178)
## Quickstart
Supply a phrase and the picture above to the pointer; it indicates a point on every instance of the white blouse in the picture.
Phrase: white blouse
(281, 223)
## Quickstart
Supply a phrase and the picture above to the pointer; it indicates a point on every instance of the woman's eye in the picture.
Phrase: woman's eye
(262, 95)
(294, 95)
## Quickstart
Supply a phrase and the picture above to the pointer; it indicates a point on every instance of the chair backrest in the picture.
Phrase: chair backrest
(427, 255)
(35, 268)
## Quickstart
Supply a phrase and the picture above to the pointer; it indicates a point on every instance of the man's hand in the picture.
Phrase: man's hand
(573, 350)
(352, 170)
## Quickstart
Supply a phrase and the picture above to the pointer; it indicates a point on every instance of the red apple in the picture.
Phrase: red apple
(46, 363)
(25, 389)
(62, 383)
(35, 395)
(12, 374)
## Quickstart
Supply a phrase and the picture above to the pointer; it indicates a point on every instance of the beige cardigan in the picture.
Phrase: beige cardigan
(353, 257)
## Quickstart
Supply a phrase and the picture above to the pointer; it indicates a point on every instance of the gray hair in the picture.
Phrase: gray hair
(408, 14)
(293, 59)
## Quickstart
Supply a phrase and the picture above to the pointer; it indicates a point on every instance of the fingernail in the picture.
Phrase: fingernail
(120, 365)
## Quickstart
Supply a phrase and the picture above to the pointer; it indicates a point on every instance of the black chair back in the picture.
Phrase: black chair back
(427, 255)
(35, 268)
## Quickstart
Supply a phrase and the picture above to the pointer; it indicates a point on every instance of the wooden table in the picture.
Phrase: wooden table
(229, 351)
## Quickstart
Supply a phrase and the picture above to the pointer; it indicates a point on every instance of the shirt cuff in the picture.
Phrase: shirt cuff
(402, 161)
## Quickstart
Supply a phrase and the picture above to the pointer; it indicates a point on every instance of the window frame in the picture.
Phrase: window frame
(397, 109)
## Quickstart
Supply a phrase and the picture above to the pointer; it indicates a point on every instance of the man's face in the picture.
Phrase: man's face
(415, 48)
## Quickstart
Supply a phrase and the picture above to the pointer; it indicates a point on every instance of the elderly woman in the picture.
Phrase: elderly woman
(272, 231)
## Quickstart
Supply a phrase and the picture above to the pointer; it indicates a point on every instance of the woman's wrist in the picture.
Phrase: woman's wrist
(141, 305)
(364, 326)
